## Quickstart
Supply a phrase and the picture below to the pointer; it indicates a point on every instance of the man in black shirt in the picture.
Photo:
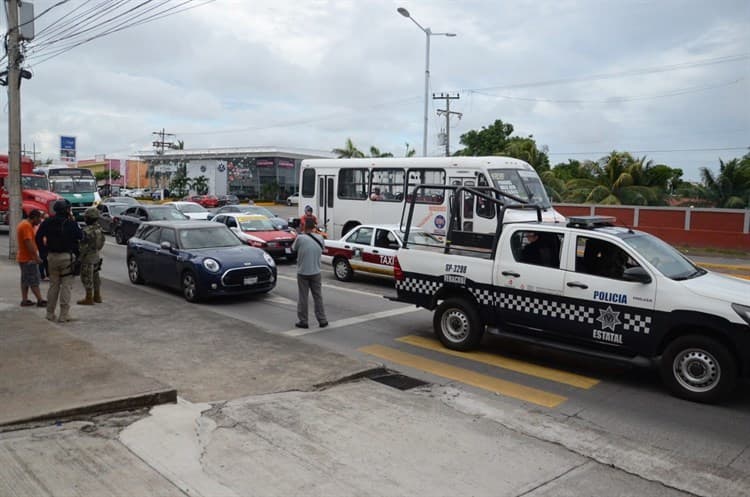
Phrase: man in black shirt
(60, 235)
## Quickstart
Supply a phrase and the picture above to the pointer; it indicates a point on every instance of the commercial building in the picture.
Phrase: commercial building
(259, 173)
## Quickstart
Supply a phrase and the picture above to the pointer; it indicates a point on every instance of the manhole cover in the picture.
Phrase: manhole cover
(400, 381)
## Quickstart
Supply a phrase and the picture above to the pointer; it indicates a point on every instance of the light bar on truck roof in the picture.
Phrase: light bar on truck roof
(590, 222)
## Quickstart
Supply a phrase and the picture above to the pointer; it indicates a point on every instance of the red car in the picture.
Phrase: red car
(258, 231)
(206, 201)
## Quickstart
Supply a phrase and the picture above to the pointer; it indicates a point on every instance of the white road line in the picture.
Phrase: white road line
(335, 287)
(296, 332)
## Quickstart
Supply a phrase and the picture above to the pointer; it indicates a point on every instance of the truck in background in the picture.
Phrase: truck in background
(75, 184)
(35, 192)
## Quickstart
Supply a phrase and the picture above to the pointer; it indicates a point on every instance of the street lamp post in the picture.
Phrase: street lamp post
(428, 32)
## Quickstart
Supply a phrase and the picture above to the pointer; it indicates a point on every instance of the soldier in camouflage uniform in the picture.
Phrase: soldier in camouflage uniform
(90, 259)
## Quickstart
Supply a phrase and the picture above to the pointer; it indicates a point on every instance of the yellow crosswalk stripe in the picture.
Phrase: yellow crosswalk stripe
(496, 385)
(526, 368)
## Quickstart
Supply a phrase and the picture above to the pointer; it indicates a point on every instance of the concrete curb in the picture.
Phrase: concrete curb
(146, 399)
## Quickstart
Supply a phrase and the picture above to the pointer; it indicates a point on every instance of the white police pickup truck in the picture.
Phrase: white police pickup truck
(587, 287)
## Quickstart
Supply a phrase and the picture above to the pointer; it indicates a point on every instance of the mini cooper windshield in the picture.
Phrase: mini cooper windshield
(201, 238)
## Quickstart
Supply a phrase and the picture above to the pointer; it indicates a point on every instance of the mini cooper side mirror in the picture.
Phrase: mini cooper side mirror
(166, 246)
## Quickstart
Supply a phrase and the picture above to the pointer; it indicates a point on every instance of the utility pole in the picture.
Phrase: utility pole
(30, 153)
(160, 145)
(14, 127)
(447, 113)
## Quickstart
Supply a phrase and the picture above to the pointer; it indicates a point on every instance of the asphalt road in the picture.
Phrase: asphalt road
(620, 400)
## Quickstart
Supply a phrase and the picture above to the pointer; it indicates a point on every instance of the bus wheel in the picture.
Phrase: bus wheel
(342, 270)
(698, 368)
(457, 324)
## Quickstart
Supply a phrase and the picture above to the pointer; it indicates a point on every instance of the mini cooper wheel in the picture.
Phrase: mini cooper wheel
(698, 368)
(134, 272)
(342, 269)
(189, 287)
(119, 238)
(457, 324)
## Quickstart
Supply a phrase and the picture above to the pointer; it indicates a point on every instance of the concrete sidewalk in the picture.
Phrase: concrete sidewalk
(46, 373)
(135, 350)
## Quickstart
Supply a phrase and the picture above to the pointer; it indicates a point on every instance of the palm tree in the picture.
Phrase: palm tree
(616, 181)
(731, 187)
(349, 151)
(375, 152)
(200, 185)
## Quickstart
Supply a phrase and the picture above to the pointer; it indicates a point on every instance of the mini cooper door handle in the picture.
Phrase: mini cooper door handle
(510, 273)
(577, 285)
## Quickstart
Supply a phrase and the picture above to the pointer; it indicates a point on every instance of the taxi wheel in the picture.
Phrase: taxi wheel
(119, 238)
(190, 287)
(134, 272)
(342, 270)
(457, 324)
(698, 368)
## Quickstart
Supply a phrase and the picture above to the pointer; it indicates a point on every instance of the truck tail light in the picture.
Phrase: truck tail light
(397, 272)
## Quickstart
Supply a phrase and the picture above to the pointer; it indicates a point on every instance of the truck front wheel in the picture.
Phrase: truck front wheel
(457, 324)
(698, 368)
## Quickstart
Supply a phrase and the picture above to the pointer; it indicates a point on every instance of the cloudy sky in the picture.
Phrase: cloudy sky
(668, 79)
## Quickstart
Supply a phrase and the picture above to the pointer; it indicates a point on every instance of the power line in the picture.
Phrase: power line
(633, 72)
(673, 93)
(717, 149)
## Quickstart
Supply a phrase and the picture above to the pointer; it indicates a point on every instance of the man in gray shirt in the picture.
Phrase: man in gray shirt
(309, 248)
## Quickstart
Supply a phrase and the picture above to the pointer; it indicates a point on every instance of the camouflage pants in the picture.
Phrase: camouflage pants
(90, 276)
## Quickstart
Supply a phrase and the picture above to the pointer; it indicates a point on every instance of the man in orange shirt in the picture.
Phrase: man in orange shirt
(28, 259)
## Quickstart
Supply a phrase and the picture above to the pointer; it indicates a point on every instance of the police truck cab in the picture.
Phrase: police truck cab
(585, 286)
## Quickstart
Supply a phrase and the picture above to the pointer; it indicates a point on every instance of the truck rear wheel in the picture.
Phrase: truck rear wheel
(457, 324)
(698, 368)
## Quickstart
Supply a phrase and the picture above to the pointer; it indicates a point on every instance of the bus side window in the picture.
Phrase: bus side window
(308, 183)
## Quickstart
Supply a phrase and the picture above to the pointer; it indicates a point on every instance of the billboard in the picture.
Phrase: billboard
(68, 148)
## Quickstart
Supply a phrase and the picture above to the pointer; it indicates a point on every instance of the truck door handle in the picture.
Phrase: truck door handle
(510, 273)
(577, 285)
(375, 252)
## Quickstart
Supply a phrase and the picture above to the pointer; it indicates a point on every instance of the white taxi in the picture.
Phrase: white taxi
(370, 248)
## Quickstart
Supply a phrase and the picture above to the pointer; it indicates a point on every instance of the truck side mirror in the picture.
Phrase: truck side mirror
(637, 274)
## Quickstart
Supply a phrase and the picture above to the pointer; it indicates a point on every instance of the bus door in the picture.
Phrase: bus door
(326, 194)
(466, 204)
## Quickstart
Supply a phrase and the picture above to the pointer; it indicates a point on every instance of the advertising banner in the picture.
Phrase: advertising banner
(68, 148)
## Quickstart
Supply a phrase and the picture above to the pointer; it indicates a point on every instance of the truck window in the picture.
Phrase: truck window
(601, 258)
(539, 247)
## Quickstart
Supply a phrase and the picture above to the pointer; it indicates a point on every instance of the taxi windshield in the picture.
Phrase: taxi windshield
(255, 224)
(665, 258)
(521, 183)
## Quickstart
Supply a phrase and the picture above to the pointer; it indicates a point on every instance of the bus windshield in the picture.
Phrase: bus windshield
(73, 185)
(521, 183)
(34, 182)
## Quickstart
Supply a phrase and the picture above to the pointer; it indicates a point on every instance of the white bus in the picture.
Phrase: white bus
(345, 193)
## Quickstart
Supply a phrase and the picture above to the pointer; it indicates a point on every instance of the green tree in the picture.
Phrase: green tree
(105, 175)
(729, 188)
(490, 140)
(349, 151)
(526, 150)
(200, 185)
(375, 152)
(617, 178)
(180, 185)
